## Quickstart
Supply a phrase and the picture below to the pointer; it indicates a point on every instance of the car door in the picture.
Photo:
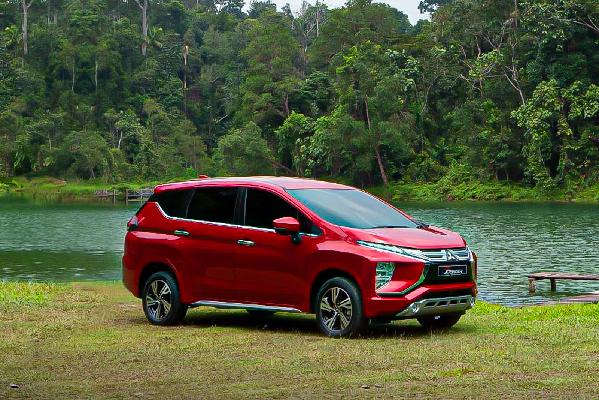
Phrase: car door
(270, 268)
(207, 242)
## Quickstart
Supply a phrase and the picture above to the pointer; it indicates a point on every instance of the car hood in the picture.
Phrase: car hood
(415, 238)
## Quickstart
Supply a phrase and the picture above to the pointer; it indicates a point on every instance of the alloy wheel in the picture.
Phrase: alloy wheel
(158, 300)
(336, 309)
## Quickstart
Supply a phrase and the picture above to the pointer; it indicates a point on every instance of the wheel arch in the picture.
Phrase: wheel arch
(153, 267)
(324, 276)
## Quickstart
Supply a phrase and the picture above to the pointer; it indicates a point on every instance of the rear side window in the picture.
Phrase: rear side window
(214, 204)
(262, 207)
(173, 202)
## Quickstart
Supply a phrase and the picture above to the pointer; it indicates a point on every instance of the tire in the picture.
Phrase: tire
(161, 302)
(338, 307)
(437, 322)
(260, 313)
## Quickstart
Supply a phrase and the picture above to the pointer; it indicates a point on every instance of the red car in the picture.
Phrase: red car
(268, 244)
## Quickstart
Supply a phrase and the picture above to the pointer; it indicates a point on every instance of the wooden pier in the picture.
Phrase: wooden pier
(555, 276)
(106, 194)
(138, 195)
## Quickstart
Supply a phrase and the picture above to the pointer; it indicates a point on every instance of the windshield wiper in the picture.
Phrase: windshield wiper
(421, 225)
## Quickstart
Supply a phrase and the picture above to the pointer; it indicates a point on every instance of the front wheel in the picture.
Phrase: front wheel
(161, 302)
(339, 308)
(437, 322)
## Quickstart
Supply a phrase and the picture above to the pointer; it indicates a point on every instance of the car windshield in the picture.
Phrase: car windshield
(352, 208)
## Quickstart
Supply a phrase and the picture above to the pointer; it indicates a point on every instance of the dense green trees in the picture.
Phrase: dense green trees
(145, 89)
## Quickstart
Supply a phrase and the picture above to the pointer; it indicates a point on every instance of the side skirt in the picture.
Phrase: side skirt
(223, 304)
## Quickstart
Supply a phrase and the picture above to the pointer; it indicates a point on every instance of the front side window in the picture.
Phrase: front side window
(352, 208)
(213, 204)
(262, 207)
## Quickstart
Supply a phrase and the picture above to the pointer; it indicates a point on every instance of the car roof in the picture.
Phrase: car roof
(276, 181)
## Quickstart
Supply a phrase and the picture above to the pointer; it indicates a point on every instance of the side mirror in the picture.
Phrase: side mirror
(288, 226)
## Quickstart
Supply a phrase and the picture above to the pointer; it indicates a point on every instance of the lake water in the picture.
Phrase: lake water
(64, 242)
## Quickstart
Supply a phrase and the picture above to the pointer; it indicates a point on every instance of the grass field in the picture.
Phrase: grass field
(91, 340)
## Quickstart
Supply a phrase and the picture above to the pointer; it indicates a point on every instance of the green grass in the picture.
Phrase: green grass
(444, 190)
(91, 340)
(47, 187)
(485, 191)
(24, 294)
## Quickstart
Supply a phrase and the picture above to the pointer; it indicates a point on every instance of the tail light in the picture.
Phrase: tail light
(133, 223)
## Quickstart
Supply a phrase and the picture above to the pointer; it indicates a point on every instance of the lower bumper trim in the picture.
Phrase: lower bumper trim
(436, 306)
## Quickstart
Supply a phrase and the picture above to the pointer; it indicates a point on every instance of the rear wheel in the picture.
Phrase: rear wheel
(160, 300)
(437, 322)
(339, 308)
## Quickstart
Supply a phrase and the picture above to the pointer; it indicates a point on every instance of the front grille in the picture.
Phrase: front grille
(459, 254)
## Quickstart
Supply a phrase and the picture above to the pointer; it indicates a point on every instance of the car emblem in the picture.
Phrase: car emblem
(451, 256)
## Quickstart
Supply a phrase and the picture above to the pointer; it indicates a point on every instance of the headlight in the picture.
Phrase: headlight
(413, 253)
(384, 273)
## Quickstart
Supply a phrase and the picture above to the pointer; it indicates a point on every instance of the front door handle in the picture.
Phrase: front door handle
(181, 232)
(248, 243)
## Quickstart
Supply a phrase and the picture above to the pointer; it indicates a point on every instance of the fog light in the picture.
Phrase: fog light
(384, 273)
(414, 308)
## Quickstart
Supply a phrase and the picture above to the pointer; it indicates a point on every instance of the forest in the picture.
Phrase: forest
(139, 90)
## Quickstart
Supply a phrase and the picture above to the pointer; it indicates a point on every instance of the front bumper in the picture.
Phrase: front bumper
(437, 306)
(389, 306)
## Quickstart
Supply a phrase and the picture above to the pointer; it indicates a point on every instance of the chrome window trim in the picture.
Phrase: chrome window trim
(225, 224)
(246, 306)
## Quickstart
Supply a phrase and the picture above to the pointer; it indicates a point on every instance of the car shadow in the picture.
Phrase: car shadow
(305, 324)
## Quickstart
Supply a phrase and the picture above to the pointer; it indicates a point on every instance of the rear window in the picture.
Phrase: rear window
(173, 202)
(213, 204)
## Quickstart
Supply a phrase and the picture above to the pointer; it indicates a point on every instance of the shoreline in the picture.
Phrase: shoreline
(473, 191)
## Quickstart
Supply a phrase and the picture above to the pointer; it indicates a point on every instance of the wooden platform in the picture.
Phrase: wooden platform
(106, 194)
(139, 195)
(554, 276)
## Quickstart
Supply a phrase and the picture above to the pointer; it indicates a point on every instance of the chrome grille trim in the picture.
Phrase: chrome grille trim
(436, 306)
(461, 254)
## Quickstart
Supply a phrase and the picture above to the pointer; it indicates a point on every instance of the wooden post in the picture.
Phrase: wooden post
(531, 285)
(553, 284)
(126, 196)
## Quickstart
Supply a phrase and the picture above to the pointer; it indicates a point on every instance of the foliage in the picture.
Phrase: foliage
(502, 91)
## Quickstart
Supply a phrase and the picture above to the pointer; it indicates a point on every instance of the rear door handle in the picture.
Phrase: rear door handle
(181, 232)
(248, 243)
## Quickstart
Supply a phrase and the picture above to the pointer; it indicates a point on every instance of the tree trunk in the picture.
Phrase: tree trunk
(144, 27)
(286, 105)
(73, 77)
(96, 75)
(317, 19)
(24, 26)
(377, 152)
(379, 161)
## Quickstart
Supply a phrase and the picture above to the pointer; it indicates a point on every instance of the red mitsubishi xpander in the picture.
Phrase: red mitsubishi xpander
(268, 244)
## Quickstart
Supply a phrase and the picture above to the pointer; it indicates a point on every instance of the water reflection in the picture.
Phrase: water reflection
(49, 241)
